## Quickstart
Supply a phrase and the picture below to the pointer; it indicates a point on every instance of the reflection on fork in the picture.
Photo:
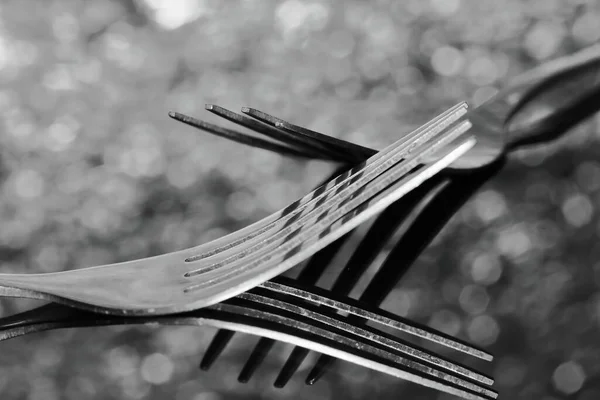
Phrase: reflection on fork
(305, 317)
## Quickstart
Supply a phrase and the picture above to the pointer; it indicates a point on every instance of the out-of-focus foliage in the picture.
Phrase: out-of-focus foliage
(93, 171)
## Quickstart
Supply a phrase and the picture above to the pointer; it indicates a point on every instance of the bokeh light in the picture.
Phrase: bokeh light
(93, 171)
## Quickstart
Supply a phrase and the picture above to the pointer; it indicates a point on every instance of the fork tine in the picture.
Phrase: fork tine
(421, 232)
(255, 314)
(383, 226)
(312, 146)
(242, 137)
(258, 355)
(361, 152)
(347, 151)
(215, 348)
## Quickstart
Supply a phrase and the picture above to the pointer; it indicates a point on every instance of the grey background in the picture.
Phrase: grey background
(93, 171)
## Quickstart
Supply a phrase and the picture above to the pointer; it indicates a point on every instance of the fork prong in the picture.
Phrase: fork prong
(344, 150)
(426, 226)
(361, 152)
(240, 137)
(290, 367)
(357, 152)
(214, 350)
(313, 147)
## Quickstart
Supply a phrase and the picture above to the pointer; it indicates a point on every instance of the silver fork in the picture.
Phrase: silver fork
(180, 281)
(287, 312)
(549, 80)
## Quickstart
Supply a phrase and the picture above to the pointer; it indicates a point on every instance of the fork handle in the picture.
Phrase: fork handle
(546, 101)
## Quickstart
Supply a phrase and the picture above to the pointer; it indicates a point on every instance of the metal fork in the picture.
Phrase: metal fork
(555, 79)
(303, 316)
(202, 276)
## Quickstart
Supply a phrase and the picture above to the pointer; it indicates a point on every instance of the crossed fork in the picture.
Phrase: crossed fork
(401, 177)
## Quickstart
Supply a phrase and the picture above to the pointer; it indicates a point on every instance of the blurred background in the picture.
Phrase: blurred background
(93, 171)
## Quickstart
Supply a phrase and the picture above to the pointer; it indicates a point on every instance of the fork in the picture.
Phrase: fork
(573, 78)
(183, 280)
(527, 88)
(287, 312)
